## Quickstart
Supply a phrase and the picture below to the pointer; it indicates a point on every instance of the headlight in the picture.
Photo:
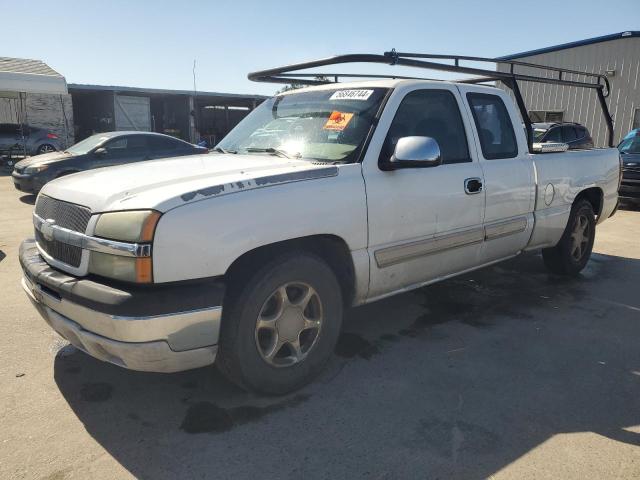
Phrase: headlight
(136, 226)
(35, 169)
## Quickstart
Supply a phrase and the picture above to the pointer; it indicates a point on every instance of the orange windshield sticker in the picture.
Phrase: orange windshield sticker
(338, 121)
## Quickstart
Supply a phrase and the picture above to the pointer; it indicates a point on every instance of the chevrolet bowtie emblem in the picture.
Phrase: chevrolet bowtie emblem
(47, 229)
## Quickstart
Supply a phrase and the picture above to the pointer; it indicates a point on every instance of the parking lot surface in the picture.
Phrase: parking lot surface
(507, 372)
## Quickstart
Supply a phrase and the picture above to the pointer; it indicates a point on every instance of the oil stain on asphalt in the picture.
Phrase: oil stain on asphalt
(350, 345)
(207, 417)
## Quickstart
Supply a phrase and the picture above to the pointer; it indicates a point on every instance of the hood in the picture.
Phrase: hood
(40, 159)
(171, 182)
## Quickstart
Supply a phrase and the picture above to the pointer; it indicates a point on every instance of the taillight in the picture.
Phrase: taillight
(52, 135)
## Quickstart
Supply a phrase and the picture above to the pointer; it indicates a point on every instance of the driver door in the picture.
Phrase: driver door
(424, 223)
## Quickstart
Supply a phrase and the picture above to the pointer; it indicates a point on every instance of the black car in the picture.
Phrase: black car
(574, 134)
(629, 150)
(101, 150)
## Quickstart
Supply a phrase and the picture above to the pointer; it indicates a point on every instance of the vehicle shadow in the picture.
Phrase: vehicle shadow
(29, 199)
(458, 379)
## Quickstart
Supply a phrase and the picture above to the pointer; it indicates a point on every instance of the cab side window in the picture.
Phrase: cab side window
(494, 126)
(430, 113)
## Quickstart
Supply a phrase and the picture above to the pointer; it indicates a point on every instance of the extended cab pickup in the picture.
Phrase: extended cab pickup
(322, 198)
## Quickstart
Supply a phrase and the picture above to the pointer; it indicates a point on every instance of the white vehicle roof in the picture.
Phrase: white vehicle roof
(382, 83)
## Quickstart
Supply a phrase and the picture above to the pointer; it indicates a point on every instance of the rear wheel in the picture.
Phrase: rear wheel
(573, 251)
(280, 324)
(45, 148)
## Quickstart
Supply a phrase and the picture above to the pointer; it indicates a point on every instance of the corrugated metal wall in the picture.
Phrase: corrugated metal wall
(579, 104)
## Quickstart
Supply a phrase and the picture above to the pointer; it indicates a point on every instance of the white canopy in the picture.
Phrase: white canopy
(30, 76)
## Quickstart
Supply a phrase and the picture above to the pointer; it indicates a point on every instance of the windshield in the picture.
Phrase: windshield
(326, 125)
(630, 145)
(86, 145)
(538, 133)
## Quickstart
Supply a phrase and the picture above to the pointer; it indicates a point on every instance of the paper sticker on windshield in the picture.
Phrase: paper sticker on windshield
(338, 121)
(351, 95)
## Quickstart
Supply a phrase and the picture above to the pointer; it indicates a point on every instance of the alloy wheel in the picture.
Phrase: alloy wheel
(288, 325)
(580, 237)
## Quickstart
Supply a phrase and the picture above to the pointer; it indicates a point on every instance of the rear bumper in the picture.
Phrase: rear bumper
(113, 324)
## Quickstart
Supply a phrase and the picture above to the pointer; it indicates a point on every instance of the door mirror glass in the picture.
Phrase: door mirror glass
(100, 151)
(415, 152)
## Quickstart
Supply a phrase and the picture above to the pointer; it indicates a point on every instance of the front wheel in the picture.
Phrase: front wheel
(573, 251)
(280, 325)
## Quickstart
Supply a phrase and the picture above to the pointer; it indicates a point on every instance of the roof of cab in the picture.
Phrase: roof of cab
(380, 83)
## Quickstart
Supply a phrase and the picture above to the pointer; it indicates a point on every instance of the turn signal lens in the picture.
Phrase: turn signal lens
(149, 226)
(126, 269)
(144, 270)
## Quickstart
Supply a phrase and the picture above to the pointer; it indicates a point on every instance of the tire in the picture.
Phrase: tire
(256, 318)
(45, 148)
(573, 251)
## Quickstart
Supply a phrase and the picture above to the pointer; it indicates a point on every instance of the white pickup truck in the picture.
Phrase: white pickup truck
(322, 198)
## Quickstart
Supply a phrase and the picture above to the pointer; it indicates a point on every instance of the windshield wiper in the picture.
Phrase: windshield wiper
(223, 150)
(275, 151)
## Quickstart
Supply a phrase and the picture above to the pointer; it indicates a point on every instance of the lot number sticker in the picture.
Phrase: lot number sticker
(351, 95)
(338, 121)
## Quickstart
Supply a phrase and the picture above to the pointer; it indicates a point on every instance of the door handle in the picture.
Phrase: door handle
(472, 185)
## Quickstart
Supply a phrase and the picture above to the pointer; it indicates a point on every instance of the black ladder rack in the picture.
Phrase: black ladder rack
(292, 74)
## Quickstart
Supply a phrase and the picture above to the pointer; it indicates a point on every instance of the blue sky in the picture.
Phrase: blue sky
(153, 44)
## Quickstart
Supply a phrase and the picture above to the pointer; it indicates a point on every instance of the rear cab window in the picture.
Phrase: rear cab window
(493, 123)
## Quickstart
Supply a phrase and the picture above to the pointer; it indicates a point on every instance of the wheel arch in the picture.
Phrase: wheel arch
(595, 196)
(330, 248)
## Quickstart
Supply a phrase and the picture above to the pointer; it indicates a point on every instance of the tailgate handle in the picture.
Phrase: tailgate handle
(472, 185)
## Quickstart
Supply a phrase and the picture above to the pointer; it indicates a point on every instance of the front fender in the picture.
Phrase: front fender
(203, 238)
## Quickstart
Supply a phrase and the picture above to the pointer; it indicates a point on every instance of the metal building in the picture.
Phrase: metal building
(617, 56)
(185, 114)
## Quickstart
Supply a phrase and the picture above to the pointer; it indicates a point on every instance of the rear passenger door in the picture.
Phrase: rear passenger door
(424, 223)
(508, 171)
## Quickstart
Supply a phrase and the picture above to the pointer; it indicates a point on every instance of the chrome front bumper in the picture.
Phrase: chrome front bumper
(153, 344)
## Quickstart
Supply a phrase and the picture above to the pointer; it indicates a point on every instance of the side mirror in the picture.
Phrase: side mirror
(415, 152)
(100, 151)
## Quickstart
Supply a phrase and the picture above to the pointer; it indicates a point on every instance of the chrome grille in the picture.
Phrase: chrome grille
(60, 251)
(67, 215)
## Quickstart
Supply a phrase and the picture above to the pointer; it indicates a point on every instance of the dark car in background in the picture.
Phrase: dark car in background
(101, 150)
(15, 137)
(629, 149)
(574, 134)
